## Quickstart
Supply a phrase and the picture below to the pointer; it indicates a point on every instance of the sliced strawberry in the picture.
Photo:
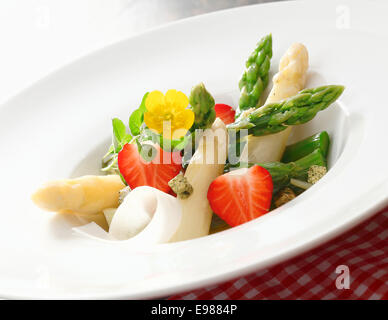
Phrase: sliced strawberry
(241, 195)
(156, 173)
(172, 193)
(225, 113)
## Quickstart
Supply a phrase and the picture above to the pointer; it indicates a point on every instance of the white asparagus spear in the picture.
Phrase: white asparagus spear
(206, 164)
(98, 218)
(290, 79)
(87, 195)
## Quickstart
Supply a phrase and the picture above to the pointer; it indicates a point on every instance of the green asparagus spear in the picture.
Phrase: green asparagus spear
(255, 78)
(202, 104)
(302, 148)
(281, 173)
(275, 117)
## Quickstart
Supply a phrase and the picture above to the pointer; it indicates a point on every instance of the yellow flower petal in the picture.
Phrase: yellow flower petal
(178, 133)
(167, 129)
(183, 122)
(167, 114)
(151, 120)
(176, 99)
(154, 100)
(189, 118)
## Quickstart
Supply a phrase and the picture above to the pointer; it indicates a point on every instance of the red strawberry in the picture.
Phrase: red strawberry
(241, 195)
(225, 113)
(156, 173)
(172, 193)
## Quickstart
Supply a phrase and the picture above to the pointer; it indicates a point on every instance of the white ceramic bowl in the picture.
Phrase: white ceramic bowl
(60, 127)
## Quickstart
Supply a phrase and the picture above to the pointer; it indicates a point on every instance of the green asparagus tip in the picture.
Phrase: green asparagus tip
(202, 104)
(255, 77)
(299, 109)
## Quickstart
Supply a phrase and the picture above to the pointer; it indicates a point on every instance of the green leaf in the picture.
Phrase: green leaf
(147, 151)
(165, 144)
(120, 135)
(135, 121)
(181, 143)
(149, 135)
(119, 129)
(111, 151)
(137, 117)
(142, 104)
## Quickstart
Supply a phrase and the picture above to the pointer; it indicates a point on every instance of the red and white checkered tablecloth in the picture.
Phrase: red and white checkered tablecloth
(364, 250)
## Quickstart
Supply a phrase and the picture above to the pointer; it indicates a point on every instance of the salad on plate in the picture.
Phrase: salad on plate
(186, 166)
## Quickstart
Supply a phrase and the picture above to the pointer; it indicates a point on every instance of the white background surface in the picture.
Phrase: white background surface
(44, 259)
(38, 36)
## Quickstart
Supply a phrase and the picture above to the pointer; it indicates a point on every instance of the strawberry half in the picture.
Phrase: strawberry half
(156, 173)
(241, 195)
(225, 113)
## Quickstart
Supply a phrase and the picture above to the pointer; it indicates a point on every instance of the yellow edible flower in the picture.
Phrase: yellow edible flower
(167, 114)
